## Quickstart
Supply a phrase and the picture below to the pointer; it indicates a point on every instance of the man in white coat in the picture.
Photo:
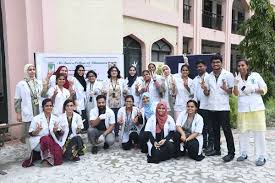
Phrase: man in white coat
(102, 122)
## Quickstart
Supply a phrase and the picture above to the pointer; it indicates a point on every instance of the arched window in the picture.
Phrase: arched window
(159, 50)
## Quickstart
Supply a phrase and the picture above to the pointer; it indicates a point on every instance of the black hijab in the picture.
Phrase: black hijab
(131, 79)
(80, 78)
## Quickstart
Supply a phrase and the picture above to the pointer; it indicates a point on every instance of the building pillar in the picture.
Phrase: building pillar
(197, 13)
(179, 46)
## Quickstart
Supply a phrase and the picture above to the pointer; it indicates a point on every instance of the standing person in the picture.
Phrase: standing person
(189, 129)
(72, 124)
(146, 111)
(218, 87)
(27, 98)
(182, 90)
(60, 70)
(168, 82)
(160, 129)
(102, 122)
(80, 91)
(249, 86)
(42, 144)
(208, 137)
(115, 90)
(59, 94)
(92, 91)
(132, 82)
(131, 120)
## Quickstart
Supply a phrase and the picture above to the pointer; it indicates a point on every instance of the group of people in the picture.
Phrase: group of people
(165, 116)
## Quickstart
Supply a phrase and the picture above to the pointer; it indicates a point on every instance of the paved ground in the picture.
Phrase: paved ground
(116, 165)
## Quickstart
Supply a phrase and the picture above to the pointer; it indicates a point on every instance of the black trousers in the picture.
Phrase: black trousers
(133, 139)
(165, 152)
(143, 139)
(221, 119)
(208, 134)
(115, 110)
(86, 122)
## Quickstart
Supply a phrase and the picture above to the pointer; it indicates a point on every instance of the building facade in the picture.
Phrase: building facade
(142, 30)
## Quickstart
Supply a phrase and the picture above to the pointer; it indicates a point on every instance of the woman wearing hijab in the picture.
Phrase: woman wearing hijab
(168, 81)
(146, 111)
(42, 144)
(80, 89)
(189, 132)
(132, 81)
(60, 70)
(160, 128)
(72, 125)
(27, 98)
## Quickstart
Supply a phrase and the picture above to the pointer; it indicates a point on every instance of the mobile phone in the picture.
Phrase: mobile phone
(243, 88)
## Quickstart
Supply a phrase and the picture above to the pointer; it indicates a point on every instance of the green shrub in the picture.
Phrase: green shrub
(233, 101)
(270, 111)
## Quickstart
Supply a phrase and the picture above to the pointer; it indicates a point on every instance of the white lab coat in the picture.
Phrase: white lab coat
(251, 102)
(23, 92)
(154, 92)
(76, 123)
(122, 114)
(197, 126)
(132, 91)
(151, 127)
(80, 95)
(40, 119)
(64, 127)
(60, 98)
(198, 91)
(219, 99)
(92, 91)
(110, 116)
(182, 94)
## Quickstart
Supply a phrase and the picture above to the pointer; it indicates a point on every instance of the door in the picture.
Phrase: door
(132, 55)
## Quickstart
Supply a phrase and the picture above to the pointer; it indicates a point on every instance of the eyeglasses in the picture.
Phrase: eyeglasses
(91, 76)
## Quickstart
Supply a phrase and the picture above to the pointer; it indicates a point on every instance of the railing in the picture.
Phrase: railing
(236, 26)
(211, 20)
(186, 13)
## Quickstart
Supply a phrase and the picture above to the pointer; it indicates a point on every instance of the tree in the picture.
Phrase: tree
(258, 46)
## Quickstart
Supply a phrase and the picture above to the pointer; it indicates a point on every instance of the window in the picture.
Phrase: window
(159, 50)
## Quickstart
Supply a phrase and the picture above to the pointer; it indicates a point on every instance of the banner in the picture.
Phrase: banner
(99, 63)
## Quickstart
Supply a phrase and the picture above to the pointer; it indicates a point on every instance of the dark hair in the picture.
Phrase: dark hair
(145, 71)
(216, 57)
(58, 76)
(200, 62)
(129, 96)
(45, 101)
(246, 62)
(100, 97)
(194, 102)
(152, 64)
(76, 69)
(184, 65)
(91, 71)
(132, 67)
(66, 102)
(110, 70)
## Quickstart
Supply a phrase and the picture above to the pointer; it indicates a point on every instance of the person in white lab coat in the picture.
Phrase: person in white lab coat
(132, 81)
(93, 89)
(61, 70)
(131, 121)
(249, 86)
(27, 98)
(189, 132)
(42, 144)
(71, 124)
(160, 128)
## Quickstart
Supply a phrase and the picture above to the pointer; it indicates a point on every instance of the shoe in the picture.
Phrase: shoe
(209, 148)
(213, 153)
(106, 146)
(228, 157)
(94, 150)
(242, 157)
(76, 158)
(200, 157)
(260, 161)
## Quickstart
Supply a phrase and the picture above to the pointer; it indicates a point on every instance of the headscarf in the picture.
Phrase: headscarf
(169, 78)
(161, 118)
(57, 72)
(80, 78)
(26, 75)
(168, 69)
(148, 108)
(131, 79)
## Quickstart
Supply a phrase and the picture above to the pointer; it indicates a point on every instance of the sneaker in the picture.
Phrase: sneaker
(94, 150)
(106, 146)
(228, 157)
(242, 157)
(260, 161)
(213, 153)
